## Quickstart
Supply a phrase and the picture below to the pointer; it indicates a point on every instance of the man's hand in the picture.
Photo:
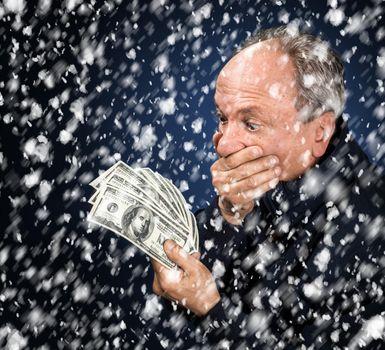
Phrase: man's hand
(192, 285)
(242, 177)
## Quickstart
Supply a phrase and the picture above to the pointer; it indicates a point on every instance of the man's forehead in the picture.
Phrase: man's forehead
(261, 56)
(262, 47)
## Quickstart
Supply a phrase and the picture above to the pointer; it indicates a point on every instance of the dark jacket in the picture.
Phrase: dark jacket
(307, 266)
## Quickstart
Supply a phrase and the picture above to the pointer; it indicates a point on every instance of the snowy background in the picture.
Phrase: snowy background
(86, 83)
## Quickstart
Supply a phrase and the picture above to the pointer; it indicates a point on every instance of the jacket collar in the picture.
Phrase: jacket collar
(325, 183)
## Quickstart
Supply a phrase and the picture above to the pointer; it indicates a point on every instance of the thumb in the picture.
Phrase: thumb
(178, 255)
(196, 255)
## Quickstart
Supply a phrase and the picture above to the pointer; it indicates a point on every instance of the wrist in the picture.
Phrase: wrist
(234, 215)
(208, 305)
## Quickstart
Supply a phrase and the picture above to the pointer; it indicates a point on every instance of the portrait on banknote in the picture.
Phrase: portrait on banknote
(137, 222)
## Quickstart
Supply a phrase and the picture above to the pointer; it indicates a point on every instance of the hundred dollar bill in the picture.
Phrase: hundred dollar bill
(159, 182)
(136, 178)
(172, 192)
(148, 197)
(194, 227)
(96, 182)
(141, 196)
(140, 224)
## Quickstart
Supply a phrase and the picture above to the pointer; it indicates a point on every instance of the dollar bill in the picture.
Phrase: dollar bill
(145, 208)
(142, 226)
(149, 195)
(136, 179)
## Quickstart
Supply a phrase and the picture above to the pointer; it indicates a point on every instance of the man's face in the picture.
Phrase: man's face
(140, 222)
(255, 98)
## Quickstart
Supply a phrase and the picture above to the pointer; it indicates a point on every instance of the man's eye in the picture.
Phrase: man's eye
(221, 119)
(253, 126)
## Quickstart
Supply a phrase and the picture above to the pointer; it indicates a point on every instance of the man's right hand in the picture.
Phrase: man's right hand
(242, 177)
(191, 285)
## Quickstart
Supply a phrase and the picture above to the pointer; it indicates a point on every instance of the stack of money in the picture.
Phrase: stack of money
(144, 208)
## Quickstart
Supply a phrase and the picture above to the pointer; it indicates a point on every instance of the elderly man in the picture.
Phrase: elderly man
(293, 246)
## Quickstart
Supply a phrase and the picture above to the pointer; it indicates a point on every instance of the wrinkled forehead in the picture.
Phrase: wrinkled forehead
(257, 61)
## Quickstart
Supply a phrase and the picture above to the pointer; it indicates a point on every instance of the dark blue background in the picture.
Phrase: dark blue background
(44, 239)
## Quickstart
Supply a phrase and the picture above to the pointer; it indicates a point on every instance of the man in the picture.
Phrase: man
(136, 223)
(297, 230)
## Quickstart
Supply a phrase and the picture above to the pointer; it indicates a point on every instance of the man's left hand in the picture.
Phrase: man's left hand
(191, 285)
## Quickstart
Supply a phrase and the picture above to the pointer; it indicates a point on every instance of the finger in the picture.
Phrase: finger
(156, 286)
(238, 158)
(255, 193)
(225, 178)
(179, 256)
(249, 183)
(248, 169)
(158, 267)
(196, 255)
(166, 276)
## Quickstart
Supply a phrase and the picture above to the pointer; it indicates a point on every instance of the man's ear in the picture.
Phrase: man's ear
(324, 128)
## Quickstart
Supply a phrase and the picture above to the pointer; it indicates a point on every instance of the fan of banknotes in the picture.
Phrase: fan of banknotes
(145, 208)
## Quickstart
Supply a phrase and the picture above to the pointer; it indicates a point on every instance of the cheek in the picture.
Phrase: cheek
(275, 143)
(250, 139)
(283, 152)
(305, 158)
(285, 147)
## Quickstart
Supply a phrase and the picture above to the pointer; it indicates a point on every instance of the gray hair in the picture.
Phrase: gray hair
(320, 71)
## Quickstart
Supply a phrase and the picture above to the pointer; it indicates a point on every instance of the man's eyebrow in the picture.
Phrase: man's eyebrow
(243, 111)
(249, 110)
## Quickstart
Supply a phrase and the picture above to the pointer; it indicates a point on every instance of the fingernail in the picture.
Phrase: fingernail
(273, 161)
(169, 244)
(277, 171)
(183, 253)
(257, 152)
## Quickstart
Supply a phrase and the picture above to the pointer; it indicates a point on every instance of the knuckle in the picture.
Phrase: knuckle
(251, 182)
(270, 175)
(268, 162)
(277, 171)
(255, 167)
(245, 172)
(273, 161)
(229, 164)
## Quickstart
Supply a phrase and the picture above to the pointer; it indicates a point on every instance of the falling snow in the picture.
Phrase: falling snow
(84, 84)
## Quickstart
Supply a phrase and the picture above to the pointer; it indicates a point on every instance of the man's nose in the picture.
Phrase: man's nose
(230, 141)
